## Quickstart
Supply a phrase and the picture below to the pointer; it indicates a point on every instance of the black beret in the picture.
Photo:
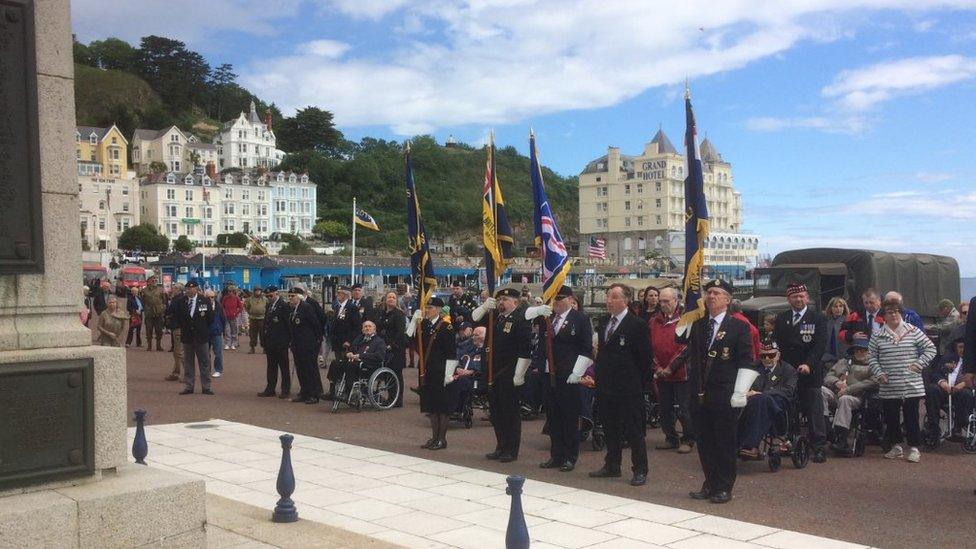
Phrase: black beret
(357, 286)
(297, 291)
(564, 291)
(192, 284)
(435, 302)
(718, 283)
(270, 289)
(342, 289)
(508, 292)
(456, 284)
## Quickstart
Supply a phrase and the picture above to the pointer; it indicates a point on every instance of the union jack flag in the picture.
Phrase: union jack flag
(555, 258)
(598, 248)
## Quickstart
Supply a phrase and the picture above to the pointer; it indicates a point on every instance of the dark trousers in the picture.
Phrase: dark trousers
(399, 375)
(810, 400)
(936, 398)
(306, 368)
(671, 394)
(763, 413)
(278, 363)
(718, 446)
(154, 329)
(134, 331)
(196, 354)
(563, 406)
(624, 418)
(503, 402)
(255, 332)
(894, 409)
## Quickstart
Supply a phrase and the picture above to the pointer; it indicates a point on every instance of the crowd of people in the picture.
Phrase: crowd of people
(716, 382)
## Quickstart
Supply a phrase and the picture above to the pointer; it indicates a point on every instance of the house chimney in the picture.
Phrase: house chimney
(267, 119)
(211, 171)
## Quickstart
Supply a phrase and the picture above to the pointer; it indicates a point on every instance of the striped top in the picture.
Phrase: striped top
(891, 354)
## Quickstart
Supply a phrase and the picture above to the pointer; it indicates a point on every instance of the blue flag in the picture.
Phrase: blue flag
(696, 224)
(555, 258)
(421, 266)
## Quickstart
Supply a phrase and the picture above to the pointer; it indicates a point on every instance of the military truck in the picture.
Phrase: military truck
(923, 279)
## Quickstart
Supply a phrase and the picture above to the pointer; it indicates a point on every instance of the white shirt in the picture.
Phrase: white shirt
(718, 322)
(620, 318)
(801, 312)
(193, 305)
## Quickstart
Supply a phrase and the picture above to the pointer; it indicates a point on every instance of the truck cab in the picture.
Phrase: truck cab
(823, 281)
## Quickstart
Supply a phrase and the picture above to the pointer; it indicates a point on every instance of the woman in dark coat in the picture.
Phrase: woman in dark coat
(392, 326)
(436, 341)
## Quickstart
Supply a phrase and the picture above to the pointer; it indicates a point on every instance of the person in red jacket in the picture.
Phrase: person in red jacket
(736, 309)
(670, 375)
(232, 304)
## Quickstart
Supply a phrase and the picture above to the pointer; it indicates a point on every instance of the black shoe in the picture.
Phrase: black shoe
(493, 455)
(312, 400)
(721, 497)
(639, 479)
(299, 398)
(567, 466)
(551, 464)
(186, 392)
(430, 442)
(702, 494)
(415, 390)
(506, 458)
(266, 394)
(819, 456)
(603, 472)
(438, 445)
(208, 392)
(284, 395)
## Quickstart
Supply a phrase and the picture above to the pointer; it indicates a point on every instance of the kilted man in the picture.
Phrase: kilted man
(572, 351)
(721, 371)
(509, 355)
(276, 338)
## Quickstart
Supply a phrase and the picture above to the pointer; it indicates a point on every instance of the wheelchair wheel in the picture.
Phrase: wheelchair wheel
(969, 436)
(800, 455)
(860, 443)
(383, 388)
(773, 459)
(339, 388)
(356, 397)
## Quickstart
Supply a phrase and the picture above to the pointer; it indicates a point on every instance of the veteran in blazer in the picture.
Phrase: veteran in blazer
(720, 372)
(801, 335)
(277, 338)
(305, 329)
(194, 313)
(622, 370)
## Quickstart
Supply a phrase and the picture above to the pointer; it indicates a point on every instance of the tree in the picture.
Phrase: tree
(194, 158)
(297, 247)
(232, 240)
(331, 230)
(221, 81)
(143, 237)
(157, 167)
(80, 52)
(183, 244)
(177, 74)
(112, 54)
(310, 129)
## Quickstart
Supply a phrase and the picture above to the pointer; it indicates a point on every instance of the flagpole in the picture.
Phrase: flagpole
(492, 283)
(352, 268)
(534, 152)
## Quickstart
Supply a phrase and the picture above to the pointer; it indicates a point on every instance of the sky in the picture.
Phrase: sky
(848, 123)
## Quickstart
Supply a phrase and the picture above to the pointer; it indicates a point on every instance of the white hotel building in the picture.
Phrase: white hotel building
(636, 203)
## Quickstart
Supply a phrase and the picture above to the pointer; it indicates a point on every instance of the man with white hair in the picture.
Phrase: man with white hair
(670, 373)
(908, 315)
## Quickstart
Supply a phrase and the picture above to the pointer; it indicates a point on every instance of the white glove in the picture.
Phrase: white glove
(582, 363)
(743, 381)
(480, 310)
(414, 322)
(449, 368)
(538, 310)
(521, 367)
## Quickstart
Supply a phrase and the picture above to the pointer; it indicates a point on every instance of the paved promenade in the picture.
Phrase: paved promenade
(415, 502)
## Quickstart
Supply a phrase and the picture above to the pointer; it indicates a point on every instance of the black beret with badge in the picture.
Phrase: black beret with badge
(270, 289)
(718, 283)
(192, 284)
(508, 292)
(296, 291)
(435, 302)
(564, 292)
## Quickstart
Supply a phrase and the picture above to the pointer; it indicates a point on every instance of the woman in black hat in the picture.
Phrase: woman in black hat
(438, 394)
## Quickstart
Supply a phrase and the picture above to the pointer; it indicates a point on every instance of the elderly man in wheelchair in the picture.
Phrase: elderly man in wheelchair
(946, 390)
(846, 389)
(363, 360)
(769, 400)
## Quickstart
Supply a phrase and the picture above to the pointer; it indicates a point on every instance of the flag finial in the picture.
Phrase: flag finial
(531, 131)
(687, 89)
(407, 146)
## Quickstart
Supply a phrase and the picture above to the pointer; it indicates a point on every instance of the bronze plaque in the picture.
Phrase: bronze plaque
(46, 421)
(21, 248)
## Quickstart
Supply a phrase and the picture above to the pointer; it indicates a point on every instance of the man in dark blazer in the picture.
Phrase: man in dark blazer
(801, 334)
(623, 369)
(363, 303)
(510, 354)
(720, 372)
(346, 327)
(572, 345)
(305, 330)
(194, 312)
(277, 338)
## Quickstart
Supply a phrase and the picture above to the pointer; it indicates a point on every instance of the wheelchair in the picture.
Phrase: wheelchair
(590, 426)
(969, 434)
(867, 427)
(932, 438)
(475, 399)
(376, 387)
(793, 442)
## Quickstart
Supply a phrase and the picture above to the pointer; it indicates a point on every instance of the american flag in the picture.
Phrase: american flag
(598, 248)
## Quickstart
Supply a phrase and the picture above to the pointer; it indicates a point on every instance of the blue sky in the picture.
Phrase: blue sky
(848, 123)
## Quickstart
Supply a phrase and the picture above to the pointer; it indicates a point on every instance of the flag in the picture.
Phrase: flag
(555, 258)
(421, 267)
(495, 228)
(598, 248)
(696, 224)
(363, 219)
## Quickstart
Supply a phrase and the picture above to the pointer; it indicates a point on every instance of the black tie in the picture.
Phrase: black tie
(796, 318)
(711, 331)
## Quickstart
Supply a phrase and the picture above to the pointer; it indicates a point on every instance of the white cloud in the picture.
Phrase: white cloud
(862, 89)
(934, 177)
(324, 48)
(937, 207)
(367, 9)
(829, 124)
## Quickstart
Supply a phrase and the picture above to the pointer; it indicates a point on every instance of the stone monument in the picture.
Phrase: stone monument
(65, 480)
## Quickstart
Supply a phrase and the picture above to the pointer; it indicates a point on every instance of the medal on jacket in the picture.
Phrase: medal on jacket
(622, 340)
(720, 335)
(726, 353)
(807, 331)
(508, 327)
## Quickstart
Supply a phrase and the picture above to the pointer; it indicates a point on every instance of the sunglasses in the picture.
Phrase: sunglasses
(767, 355)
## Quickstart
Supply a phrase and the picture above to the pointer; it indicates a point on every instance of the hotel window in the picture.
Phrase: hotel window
(627, 205)
(208, 212)
(627, 189)
(627, 222)
(125, 190)
(174, 138)
(657, 186)
(171, 210)
(101, 204)
(640, 221)
(245, 209)
(601, 191)
(101, 223)
(208, 230)
(640, 188)
(657, 202)
(93, 139)
(170, 194)
(229, 208)
(245, 195)
(657, 219)
(189, 194)
(229, 193)
(118, 226)
(189, 211)
(125, 207)
(172, 229)
(261, 196)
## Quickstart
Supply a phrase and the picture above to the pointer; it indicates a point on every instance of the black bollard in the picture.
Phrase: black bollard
(517, 534)
(140, 448)
(285, 510)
